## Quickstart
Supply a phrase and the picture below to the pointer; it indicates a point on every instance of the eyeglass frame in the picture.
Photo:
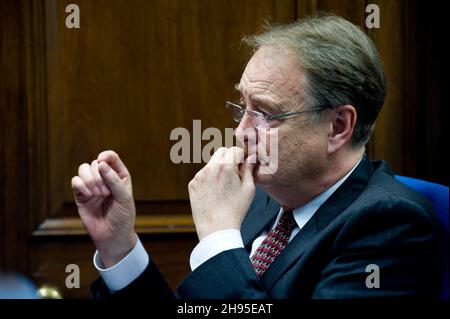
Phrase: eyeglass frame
(268, 117)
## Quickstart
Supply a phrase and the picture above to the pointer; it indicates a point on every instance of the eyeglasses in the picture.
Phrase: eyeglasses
(258, 119)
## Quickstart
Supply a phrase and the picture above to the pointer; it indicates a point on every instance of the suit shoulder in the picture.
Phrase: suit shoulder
(384, 192)
(387, 204)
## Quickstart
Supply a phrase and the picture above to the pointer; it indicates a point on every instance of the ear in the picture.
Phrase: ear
(343, 121)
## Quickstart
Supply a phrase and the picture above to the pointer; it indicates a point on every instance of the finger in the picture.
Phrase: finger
(98, 179)
(114, 161)
(85, 173)
(218, 155)
(246, 170)
(234, 155)
(118, 188)
(96, 174)
(80, 188)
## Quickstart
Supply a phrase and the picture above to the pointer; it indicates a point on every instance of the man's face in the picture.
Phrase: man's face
(272, 83)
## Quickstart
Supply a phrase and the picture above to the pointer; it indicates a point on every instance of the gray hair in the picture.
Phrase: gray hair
(341, 66)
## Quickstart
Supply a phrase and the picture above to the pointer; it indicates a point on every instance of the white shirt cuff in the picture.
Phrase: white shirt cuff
(126, 270)
(214, 244)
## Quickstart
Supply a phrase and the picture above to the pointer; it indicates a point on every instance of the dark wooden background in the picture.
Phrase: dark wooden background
(137, 69)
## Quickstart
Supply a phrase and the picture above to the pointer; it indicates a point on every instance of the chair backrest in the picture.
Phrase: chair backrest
(438, 195)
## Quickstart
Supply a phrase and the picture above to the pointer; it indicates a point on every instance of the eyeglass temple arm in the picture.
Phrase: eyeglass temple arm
(273, 117)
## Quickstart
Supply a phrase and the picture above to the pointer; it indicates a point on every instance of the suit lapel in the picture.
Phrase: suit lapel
(336, 204)
(258, 220)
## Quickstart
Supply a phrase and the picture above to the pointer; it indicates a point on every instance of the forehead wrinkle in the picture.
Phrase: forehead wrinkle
(263, 91)
(258, 87)
(263, 95)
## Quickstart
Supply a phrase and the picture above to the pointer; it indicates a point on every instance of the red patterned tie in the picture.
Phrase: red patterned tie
(273, 244)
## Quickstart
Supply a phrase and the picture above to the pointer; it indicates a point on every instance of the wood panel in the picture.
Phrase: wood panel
(51, 255)
(410, 129)
(397, 115)
(353, 10)
(134, 71)
(14, 215)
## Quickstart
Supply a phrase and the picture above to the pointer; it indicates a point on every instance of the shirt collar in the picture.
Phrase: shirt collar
(304, 213)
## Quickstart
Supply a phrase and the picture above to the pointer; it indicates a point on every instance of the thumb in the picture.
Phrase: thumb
(247, 168)
(118, 189)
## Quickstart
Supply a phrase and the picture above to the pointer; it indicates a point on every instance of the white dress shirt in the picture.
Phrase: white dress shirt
(131, 266)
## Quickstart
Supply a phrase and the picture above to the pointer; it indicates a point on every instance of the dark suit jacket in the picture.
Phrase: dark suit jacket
(370, 219)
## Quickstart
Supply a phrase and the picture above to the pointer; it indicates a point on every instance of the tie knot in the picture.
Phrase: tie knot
(286, 222)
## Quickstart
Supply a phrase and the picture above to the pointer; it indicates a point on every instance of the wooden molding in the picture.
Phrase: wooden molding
(144, 225)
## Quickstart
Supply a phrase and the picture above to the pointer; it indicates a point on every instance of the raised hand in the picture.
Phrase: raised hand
(104, 197)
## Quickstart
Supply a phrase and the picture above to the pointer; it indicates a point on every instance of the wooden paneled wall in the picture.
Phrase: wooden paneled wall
(137, 69)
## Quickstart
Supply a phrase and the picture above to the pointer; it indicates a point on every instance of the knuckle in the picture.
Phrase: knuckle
(98, 181)
(83, 167)
(205, 171)
(113, 154)
(88, 180)
(198, 176)
(74, 182)
(108, 155)
(238, 153)
(227, 167)
(220, 151)
(90, 183)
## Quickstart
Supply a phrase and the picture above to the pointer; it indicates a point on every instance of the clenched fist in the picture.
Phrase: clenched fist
(104, 198)
(221, 192)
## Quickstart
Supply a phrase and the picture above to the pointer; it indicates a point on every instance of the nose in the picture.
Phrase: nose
(243, 128)
(247, 135)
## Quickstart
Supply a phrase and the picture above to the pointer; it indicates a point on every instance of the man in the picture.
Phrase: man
(314, 226)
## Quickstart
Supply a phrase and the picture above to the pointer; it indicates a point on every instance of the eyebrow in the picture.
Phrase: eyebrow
(259, 99)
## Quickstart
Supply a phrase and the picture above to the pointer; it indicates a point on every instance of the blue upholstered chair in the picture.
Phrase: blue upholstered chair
(438, 195)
